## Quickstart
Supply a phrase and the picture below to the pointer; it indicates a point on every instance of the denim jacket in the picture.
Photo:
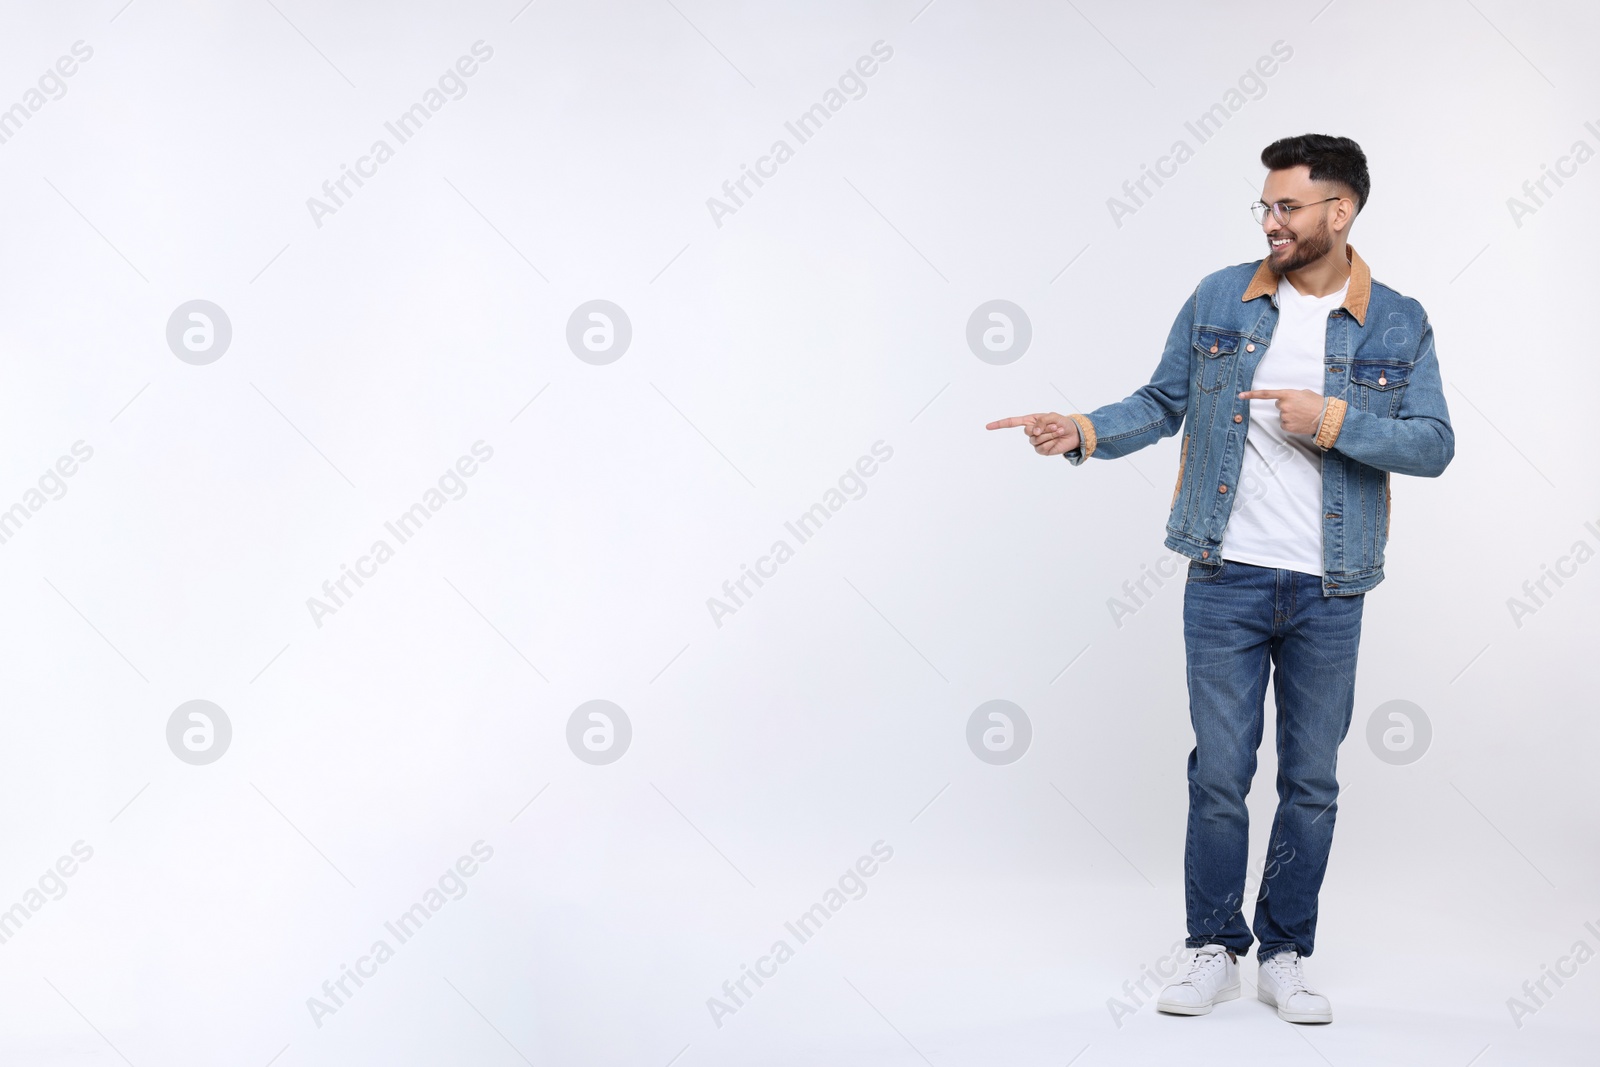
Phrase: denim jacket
(1384, 413)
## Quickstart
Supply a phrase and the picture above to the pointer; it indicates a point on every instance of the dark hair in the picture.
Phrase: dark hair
(1332, 159)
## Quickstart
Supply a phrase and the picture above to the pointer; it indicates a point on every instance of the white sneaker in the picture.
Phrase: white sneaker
(1279, 982)
(1213, 978)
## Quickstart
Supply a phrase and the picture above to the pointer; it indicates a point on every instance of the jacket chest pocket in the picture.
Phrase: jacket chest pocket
(1380, 382)
(1215, 353)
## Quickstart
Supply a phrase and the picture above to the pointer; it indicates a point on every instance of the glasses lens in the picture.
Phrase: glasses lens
(1259, 210)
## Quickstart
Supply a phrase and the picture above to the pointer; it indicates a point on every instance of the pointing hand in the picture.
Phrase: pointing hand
(1049, 433)
(1298, 409)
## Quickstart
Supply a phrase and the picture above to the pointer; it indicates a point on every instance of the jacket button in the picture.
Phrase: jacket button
(1222, 489)
(1204, 553)
(1249, 348)
(1238, 418)
(1213, 348)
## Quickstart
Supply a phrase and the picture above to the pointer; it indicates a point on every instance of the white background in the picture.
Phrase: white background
(768, 355)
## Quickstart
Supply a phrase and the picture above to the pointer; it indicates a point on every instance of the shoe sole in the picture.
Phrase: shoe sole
(1231, 993)
(1292, 1016)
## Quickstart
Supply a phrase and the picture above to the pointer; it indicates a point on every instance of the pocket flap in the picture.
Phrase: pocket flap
(1216, 343)
(1376, 375)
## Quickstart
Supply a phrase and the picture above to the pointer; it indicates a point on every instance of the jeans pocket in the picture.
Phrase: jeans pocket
(1204, 572)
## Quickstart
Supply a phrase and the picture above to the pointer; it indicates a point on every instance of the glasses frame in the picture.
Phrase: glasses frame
(1281, 211)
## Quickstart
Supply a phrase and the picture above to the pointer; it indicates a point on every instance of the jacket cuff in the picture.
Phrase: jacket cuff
(1332, 419)
(1086, 433)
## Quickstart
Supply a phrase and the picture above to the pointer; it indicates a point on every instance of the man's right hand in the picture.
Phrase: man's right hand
(1049, 433)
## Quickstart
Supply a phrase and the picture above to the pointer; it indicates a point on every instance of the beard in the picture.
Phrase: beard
(1302, 250)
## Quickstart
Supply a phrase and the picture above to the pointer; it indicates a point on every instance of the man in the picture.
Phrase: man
(1301, 384)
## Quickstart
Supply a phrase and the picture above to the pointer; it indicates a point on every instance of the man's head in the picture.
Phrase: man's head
(1325, 180)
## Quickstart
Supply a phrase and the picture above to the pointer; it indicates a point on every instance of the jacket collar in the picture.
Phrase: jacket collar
(1265, 283)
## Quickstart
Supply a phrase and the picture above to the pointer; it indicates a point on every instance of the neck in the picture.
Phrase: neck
(1325, 276)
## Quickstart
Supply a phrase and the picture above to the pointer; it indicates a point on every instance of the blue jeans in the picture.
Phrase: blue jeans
(1237, 619)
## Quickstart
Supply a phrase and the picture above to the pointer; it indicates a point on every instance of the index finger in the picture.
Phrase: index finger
(1264, 394)
(1006, 424)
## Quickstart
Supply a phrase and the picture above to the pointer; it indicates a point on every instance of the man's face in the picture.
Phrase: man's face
(1305, 238)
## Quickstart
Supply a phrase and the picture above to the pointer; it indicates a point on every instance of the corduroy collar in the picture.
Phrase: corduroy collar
(1265, 283)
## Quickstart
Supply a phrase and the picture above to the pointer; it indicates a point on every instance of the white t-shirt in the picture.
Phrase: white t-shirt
(1276, 519)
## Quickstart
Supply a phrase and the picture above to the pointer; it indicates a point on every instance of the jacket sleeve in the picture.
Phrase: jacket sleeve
(1154, 411)
(1418, 441)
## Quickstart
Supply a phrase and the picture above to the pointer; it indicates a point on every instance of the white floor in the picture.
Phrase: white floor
(922, 969)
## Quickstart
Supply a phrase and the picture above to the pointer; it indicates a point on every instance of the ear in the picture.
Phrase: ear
(1344, 213)
(1344, 210)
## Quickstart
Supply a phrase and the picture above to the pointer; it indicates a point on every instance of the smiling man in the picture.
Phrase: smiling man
(1300, 384)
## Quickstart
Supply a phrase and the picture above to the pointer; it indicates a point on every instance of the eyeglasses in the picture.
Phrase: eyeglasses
(1280, 210)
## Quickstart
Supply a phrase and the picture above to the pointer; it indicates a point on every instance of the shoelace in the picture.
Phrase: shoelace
(1288, 974)
(1202, 965)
